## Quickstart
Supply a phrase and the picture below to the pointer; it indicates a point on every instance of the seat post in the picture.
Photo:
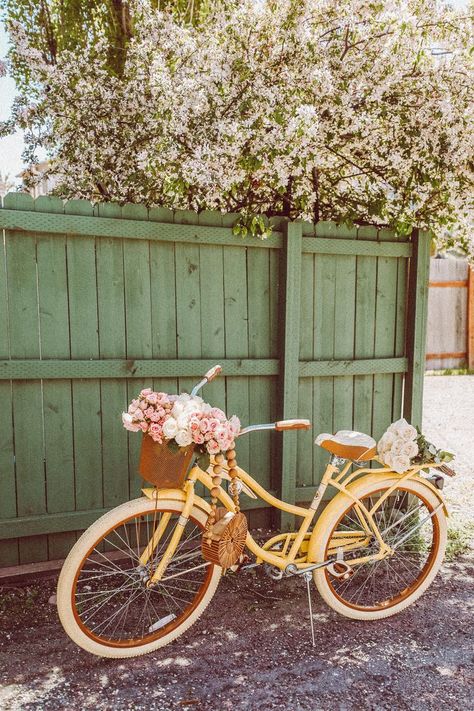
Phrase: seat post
(333, 466)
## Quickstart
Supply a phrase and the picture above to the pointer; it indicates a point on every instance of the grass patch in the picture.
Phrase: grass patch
(15, 600)
(459, 541)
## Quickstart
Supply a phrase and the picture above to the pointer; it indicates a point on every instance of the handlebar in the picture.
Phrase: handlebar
(213, 373)
(279, 426)
(210, 375)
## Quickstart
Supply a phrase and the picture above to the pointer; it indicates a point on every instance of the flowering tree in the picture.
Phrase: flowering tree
(311, 109)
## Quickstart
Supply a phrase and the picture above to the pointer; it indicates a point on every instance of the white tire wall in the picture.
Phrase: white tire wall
(330, 517)
(76, 556)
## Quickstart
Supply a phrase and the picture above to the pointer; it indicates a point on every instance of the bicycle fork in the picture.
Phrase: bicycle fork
(175, 538)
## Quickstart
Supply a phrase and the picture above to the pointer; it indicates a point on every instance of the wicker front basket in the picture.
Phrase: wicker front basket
(163, 467)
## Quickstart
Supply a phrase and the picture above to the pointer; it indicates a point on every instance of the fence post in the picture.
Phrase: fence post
(417, 308)
(290, 362)
(470, 318)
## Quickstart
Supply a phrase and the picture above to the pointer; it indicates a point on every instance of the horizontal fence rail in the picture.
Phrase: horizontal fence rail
(319, 321)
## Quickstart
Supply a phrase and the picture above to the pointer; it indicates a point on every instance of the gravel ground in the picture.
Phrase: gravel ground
(448, 421)
(252, 647)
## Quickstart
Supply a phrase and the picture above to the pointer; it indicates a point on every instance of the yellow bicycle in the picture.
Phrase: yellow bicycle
(136, 579)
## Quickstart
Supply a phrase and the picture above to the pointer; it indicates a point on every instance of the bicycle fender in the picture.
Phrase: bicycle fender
(369, 479)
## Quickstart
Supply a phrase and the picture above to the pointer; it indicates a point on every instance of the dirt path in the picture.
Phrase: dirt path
(251, 650)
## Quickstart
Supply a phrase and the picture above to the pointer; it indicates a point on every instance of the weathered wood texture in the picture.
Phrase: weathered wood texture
(449, 331)
(98, 302)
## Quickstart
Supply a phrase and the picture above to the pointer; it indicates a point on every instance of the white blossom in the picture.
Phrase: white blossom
(314, 109)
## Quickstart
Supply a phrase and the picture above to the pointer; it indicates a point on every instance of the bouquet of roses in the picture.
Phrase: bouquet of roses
(181, 420)
(403, 445)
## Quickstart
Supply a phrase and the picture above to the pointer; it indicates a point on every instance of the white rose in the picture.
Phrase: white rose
(400, 463)
(170, 428)
(128, 422)
(183, 438)
(183, 421)
(385, 442)
(404, 430)
(178, 409)
(397, 446)
(206, 408)
(387, 459)
(409, 449)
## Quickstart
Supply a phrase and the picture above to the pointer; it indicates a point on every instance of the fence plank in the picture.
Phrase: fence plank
(57, 396)
(236, 338)
(384, 340)
(82, 285)
(323, 347)
(27, 395)
(260, 391)
(8, 507)
(416, 327)
(364, 342)
(290, 364)
(112, 342)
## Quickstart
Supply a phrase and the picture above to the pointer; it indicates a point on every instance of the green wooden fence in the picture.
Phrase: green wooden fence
(322, 321)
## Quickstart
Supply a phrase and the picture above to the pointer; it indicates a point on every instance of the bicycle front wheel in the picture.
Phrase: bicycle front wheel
(104, 603)
(411, 521)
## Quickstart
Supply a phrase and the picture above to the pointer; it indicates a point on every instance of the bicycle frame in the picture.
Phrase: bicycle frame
(289, 555)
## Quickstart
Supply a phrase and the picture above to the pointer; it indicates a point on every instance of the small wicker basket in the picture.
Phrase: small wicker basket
(163, 467)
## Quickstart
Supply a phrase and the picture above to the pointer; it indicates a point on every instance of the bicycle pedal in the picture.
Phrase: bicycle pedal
(340, 570)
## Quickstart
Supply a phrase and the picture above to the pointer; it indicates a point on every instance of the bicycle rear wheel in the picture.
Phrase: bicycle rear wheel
(104, 603)
(412, 522)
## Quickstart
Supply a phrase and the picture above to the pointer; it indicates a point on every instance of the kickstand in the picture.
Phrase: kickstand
(308, 577)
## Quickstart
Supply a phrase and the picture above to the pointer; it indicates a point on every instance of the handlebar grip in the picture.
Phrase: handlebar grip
(212, 373)
(293, 425)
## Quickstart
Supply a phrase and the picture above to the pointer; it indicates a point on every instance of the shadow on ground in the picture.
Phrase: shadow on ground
(252, 650)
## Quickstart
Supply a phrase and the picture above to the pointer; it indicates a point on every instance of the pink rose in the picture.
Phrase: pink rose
(133, 406)
(149, 412)
(204, 424)
(138, 414)
(143, 404)
(155, 417)
(213, 447)
(194, 424)
(146, 392)
(218, 413)
(198, 438)
(213, 425)
(156, 432)
(152, 398)
(234, 424)
(143, 426)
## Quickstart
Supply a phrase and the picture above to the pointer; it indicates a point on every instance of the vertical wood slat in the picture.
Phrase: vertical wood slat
(8, 504)
(323, 346)
(27, 395)
(290, 360)
(112, 343)
(237, 338)
(364, 342)
(83, 324)
(138, 325)
(57, 395)
(384, 338)
(470, 319)
(416, 326)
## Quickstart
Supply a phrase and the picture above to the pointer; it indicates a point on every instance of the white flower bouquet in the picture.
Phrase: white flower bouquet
(403, 445)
